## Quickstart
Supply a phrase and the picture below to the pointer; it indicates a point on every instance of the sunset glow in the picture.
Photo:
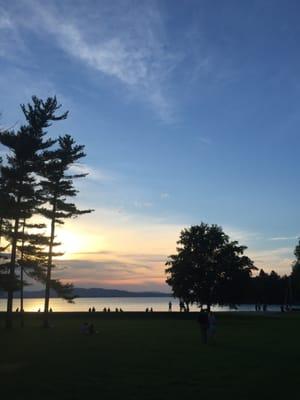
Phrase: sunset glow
(166, 111)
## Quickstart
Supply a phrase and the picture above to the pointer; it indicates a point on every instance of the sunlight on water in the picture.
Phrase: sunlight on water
(126, 303)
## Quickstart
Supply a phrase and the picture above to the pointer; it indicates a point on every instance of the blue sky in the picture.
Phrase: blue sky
(189, 113)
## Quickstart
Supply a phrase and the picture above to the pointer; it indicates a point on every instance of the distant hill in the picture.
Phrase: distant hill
(91, 292)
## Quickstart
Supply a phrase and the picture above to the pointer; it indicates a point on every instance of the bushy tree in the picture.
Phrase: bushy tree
(208, 268)
(295, 276)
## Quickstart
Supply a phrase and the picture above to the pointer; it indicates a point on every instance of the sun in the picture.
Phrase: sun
(73, 243)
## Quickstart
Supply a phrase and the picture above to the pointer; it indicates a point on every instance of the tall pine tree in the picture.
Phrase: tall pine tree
(19, 175)
(57, 185)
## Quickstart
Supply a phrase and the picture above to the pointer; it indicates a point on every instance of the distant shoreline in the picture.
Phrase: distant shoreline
(90, 293)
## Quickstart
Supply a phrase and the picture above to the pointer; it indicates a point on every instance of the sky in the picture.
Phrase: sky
(189, 111)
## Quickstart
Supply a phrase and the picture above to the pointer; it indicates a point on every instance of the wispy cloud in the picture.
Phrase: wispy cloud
(93, 173)
(113, 274)
(142, 204)
(242, 235)
(126, 43)
(280, 238)
(11, 41)
(164, 195)
(279, 260)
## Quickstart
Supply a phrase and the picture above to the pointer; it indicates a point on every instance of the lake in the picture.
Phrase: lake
(126, 303)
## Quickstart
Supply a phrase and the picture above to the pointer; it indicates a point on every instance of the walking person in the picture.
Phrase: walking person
(203, 322)
(212, 327)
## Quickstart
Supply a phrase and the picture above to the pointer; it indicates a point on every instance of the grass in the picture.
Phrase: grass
(256, 357)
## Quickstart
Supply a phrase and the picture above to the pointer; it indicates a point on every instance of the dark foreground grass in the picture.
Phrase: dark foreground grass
(254, 358)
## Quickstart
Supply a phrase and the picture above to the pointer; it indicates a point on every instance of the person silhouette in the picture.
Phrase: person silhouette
(93, 309)
(203, 322)
(212, 326)
(170, 306)
(265, 307)
(91, 329)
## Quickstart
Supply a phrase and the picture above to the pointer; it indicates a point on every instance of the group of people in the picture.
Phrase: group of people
(22, 310)
(183, 307)
(261, 307)
(93, 309)
(208, 326)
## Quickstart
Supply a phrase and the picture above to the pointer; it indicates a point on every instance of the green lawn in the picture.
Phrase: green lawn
(255, 357)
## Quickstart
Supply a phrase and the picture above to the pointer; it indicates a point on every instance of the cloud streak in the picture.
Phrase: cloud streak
(94, 174)
(111, 273)
(126, 43)
(281, 238)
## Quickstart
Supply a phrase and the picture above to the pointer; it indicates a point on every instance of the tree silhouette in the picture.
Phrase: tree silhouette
(295, 276)
(19, 176)
(57, 185)
(207, 266)
(4, 225)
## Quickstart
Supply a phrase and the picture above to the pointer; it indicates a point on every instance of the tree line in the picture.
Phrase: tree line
(208, 268)
(36, 183)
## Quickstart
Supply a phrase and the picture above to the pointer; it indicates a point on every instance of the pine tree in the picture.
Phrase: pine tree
(19, 175)
(57, 185)
(4, 209)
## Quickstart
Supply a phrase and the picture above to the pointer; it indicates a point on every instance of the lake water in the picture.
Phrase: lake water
(126, 303)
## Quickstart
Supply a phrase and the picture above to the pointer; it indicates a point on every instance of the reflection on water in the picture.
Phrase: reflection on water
(126, 303)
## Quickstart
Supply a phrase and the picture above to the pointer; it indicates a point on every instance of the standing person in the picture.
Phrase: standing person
(181, 306)
(265, 307)
(170, 306)
(91, 329)
(212, 326)
(203, 322)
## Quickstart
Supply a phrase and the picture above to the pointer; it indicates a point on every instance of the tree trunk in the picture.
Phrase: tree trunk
(1, 224)
(187, 308)
(22, 280)
(10, 292)
(49, 267)
(22, 298)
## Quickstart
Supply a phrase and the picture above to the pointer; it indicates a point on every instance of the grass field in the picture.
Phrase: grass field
(256, 357)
